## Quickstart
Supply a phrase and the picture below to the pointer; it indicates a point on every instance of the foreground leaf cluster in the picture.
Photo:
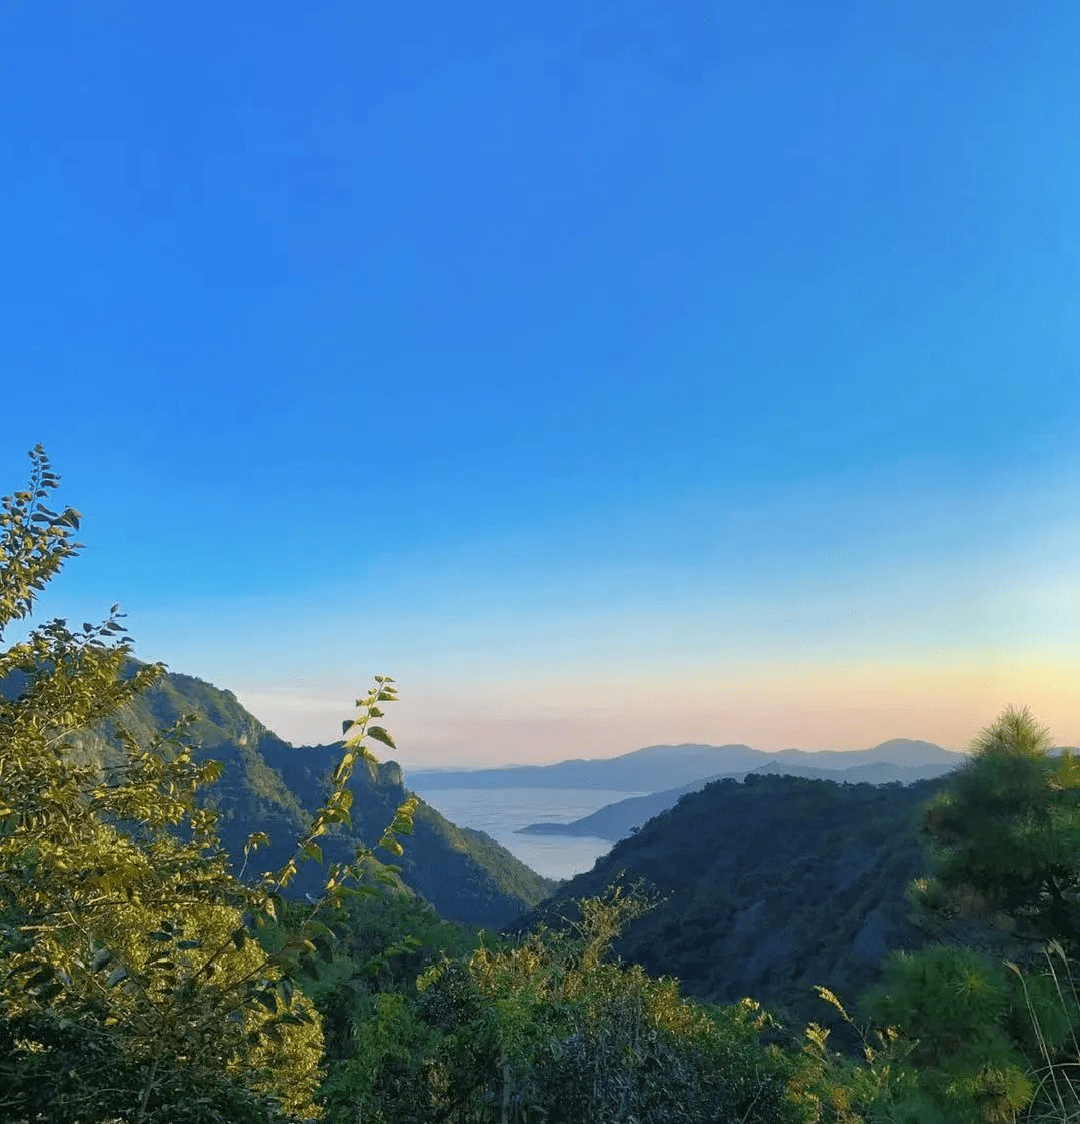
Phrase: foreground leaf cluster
(131, 985)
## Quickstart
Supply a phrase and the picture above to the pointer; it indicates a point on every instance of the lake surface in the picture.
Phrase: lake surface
(501, 811)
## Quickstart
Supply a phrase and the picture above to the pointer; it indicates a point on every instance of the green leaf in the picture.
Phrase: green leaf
(301, 944)
(268, 999)
(377, 733)
(118, 975)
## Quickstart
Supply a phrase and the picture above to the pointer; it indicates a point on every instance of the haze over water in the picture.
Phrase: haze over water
(501, 811)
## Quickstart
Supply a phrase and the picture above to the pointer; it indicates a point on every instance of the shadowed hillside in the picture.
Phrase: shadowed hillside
(770, 887)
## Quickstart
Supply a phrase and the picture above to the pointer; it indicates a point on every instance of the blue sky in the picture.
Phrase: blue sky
(606, 373)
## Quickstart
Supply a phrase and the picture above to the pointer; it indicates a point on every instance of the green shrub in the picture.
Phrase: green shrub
(549, 1028)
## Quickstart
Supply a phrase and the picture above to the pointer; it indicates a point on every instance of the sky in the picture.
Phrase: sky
(609, 374)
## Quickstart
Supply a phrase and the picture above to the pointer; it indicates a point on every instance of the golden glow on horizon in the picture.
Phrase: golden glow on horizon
(768, 707)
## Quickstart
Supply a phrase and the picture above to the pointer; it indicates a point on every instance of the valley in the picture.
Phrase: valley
(762, 885)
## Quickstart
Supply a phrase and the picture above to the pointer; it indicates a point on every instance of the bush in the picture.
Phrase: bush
(548, 1028)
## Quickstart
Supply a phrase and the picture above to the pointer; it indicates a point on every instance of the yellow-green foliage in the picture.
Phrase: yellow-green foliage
(130, 985)
(550, 1028)
(119, 914)
(839, 1089)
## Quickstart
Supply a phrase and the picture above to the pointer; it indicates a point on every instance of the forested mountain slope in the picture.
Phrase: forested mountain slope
(268, 785)
(770, 886)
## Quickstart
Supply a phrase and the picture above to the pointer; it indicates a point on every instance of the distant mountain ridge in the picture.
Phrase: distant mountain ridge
(619, 819)
(659, 768)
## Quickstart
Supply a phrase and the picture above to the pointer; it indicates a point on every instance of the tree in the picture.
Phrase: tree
(1007, 879)
(131, 986)
(1009, 829)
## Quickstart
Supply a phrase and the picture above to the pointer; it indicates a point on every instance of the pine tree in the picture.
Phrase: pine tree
(1009, 828)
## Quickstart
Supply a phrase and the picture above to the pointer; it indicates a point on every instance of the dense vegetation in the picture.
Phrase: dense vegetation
(266, 783)
(735, 863)
(145, 980)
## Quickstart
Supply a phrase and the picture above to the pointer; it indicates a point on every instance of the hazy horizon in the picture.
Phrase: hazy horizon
(607, 375)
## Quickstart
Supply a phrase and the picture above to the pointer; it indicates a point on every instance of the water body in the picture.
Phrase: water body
(501, 811)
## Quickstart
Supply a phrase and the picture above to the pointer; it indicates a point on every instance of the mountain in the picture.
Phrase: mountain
(871, 773)
(619, 819)
(662, 767)
(643, 770)
(769, 887)
(902, 752)
(269, 785)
